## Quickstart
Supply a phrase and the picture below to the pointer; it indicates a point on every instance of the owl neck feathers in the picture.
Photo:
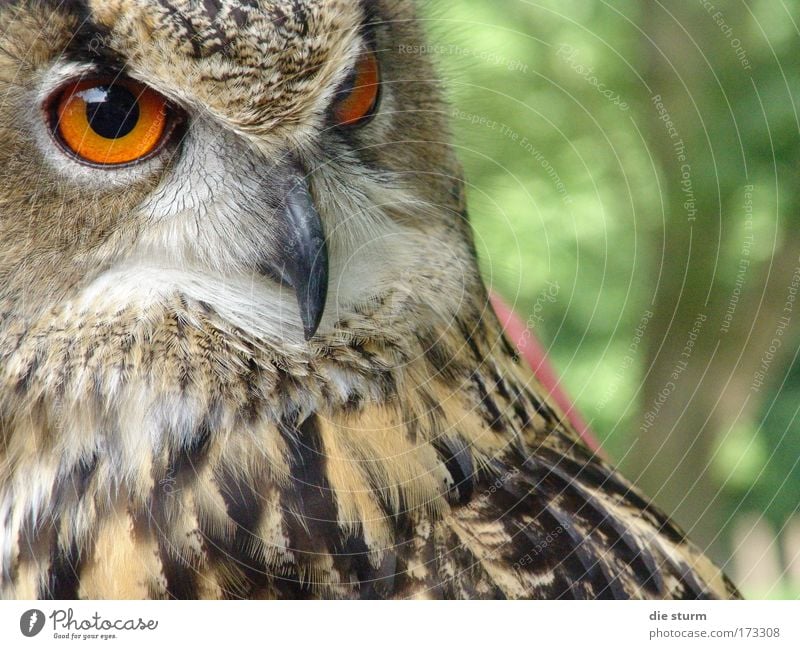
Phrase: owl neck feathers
(194, 426)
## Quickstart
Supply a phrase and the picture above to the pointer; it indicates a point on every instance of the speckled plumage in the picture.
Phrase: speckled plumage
(165, 428)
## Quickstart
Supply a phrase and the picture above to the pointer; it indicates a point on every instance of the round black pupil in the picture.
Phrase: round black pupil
(112, 111)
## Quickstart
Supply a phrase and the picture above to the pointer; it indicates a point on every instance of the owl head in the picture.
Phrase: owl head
(283, 161)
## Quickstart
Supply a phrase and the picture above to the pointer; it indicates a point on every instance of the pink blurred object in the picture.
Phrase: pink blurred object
(536, 356)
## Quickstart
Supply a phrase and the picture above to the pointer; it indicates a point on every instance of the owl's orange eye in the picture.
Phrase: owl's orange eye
(112, 122)
(358, 101)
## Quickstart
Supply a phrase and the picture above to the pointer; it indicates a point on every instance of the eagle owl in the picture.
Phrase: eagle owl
(245, 351)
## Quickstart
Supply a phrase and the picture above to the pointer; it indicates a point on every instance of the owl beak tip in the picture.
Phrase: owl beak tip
(312, 299)
(302, 255)
(307, 257)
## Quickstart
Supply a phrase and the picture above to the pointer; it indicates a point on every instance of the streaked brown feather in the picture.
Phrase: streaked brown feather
(360, 499)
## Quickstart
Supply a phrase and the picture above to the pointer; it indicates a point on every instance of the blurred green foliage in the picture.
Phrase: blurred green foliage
(575, 181)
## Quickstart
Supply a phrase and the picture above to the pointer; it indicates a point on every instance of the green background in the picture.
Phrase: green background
(655, 260)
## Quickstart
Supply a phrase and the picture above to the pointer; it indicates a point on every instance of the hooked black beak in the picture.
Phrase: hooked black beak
(301, 260)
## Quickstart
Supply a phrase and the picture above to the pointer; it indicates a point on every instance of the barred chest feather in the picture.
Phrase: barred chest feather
(168, 454)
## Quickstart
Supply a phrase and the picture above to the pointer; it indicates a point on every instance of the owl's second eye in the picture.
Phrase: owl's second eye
(110, 122)
(358, 100)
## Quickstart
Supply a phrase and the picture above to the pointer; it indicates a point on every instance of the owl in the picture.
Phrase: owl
(245, 349)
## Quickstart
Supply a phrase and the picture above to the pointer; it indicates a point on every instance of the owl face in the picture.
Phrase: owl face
(284, 162)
